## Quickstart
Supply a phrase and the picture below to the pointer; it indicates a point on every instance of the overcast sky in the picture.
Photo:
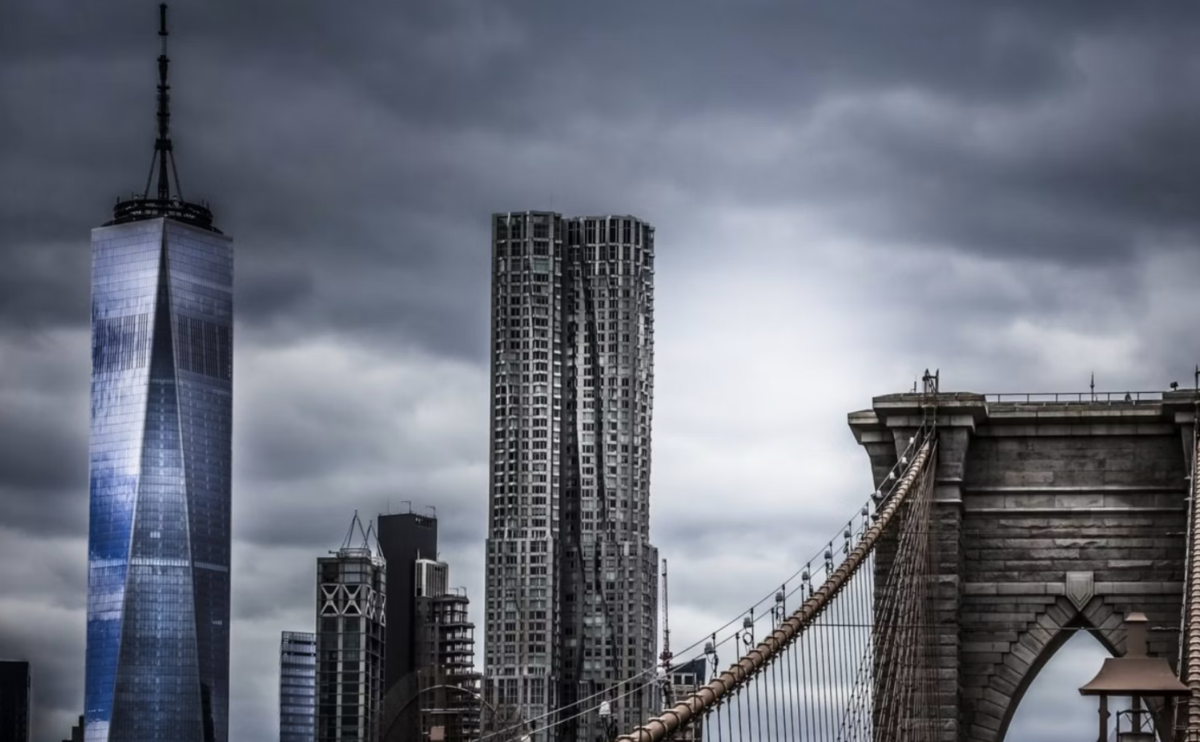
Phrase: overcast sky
(844, 193)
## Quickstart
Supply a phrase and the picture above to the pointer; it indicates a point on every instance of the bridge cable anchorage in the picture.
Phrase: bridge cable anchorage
(894, 686)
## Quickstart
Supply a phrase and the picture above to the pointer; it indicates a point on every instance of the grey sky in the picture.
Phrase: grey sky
(845, 193)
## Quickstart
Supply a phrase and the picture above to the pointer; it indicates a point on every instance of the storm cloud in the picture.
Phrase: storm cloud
(844, 193)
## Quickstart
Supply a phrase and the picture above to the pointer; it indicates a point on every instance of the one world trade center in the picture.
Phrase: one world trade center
(159, 532)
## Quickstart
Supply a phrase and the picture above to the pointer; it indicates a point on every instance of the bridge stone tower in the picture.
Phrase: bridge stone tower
(1052, 513)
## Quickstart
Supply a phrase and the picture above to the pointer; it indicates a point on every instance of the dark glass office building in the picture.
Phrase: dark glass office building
(16, 700)
(159, 539)
(297, 687)
(404, 538)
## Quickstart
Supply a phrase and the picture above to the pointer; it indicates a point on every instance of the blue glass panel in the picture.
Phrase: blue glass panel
(158, 602)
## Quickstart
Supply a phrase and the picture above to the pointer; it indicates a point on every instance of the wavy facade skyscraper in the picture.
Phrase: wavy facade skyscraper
(159, 533)
(572, 579)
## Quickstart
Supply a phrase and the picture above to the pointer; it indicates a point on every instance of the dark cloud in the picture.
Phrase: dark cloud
(844, 194)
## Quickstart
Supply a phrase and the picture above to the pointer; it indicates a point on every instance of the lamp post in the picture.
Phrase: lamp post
(1135, 676)
(608, 723)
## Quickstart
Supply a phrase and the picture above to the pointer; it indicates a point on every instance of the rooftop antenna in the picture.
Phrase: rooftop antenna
(163, 151)
(163, 203)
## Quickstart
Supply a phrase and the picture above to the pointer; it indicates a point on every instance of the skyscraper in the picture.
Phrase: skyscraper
(351, 639)
(297, 687)
(572, 579)
(404, 538)
(16, 700)
(158, 546)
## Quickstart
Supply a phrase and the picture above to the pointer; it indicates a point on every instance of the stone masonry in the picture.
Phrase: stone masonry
(1049, 517)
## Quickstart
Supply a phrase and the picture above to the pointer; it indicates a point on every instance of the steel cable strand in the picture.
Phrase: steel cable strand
(908, 687)
(917, 647)
(756, 687)
(794, 688)
(908, 682)
(886, 609)
(882, 651)
(887, 653)
(741, 728)
(849, 711)
(729, 721)
(905, 683)
(845, 602)
(865, 703)
(656, 729)
(809, 717)
(822, 684)
(857, 716)
(866, 687)
(1193, 628)
(844, 639)
(775, 690)
(866, 677)
(828, 657)
(932, 700)
(886, 658)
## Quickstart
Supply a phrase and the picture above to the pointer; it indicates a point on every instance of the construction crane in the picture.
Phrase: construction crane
(665, 657)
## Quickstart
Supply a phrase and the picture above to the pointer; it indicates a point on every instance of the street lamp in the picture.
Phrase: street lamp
(607, 722)
(1137, 676)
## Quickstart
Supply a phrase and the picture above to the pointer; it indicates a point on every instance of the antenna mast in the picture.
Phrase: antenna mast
(163, 150)
(163, 203)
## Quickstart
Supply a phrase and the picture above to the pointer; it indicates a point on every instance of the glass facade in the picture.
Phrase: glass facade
(297, 687)
(159, 539)
(351, 642)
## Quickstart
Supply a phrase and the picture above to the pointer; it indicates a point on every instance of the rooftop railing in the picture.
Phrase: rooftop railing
(1089, 397)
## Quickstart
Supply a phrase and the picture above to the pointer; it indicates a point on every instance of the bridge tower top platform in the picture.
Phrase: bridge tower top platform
(1054, 513)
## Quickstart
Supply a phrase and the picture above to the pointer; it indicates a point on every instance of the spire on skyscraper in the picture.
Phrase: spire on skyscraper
(162, 145)
(164, 203)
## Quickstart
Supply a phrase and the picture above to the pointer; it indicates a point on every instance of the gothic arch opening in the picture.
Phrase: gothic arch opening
(1050, 707)
(1018, 667)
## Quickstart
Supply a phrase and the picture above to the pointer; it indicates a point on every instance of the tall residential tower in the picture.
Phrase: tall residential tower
(572, 579)
(158, 545)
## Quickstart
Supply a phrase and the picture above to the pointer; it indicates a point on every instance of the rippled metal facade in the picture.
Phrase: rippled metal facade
(572, 579)
(159, 535)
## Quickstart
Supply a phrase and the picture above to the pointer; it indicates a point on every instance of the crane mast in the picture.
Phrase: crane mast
(665, 657)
